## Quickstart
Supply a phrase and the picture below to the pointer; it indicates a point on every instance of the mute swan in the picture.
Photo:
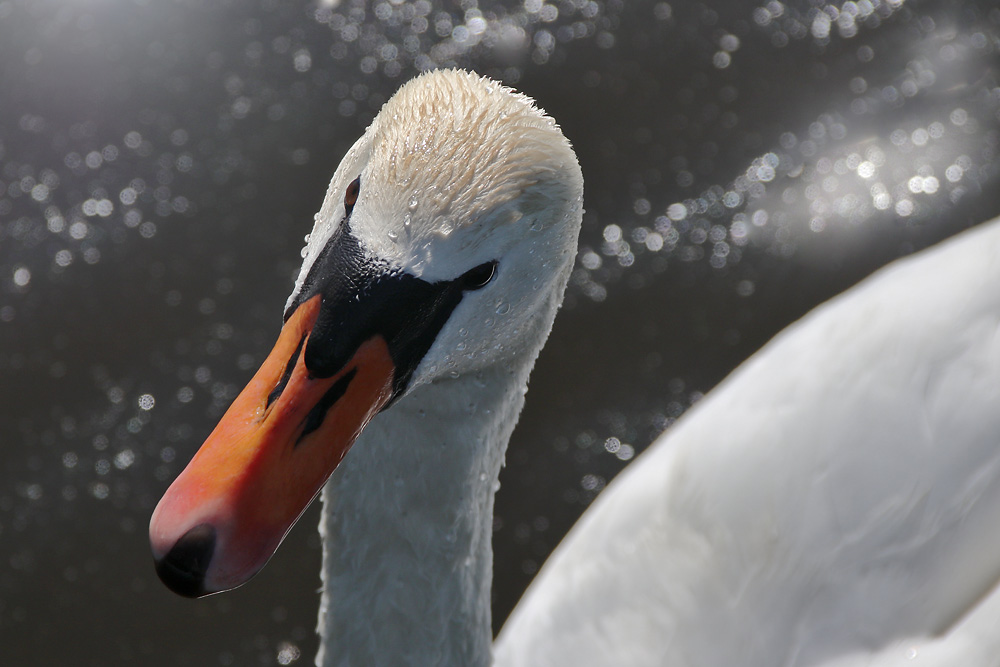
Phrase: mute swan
(834, 502)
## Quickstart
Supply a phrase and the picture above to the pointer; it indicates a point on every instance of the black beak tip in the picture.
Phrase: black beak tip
(184, 567)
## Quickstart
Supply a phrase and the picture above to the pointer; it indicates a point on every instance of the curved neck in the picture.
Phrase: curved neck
(407, 523)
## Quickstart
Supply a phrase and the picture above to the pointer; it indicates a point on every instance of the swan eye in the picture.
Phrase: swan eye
(351, 196)
(479, 276)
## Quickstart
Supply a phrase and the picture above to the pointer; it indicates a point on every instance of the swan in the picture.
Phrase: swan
(833, 502)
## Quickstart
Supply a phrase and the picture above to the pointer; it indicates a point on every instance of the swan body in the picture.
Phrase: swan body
(831, 503)
(835, 501)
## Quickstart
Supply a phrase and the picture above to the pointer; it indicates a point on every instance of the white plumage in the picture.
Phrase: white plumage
(835, 502)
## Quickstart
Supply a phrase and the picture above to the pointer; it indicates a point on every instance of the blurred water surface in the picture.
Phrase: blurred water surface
(160, 163)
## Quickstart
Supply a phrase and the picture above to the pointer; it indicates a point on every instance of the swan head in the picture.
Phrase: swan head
(443, 246)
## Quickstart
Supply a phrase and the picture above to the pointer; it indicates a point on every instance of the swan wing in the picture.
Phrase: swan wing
(835, 501)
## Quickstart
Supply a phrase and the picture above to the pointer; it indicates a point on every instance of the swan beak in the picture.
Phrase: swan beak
(227, 512)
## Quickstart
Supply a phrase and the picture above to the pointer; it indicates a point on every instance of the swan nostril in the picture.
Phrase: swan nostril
(183, 568)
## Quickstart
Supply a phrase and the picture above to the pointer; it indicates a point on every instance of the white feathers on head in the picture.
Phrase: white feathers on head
(463, 145)
(451, 157)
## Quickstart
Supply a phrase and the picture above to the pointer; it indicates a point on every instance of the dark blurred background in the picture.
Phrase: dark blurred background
(160, 163)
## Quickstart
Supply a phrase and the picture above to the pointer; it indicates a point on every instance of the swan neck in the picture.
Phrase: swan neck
(407, 524)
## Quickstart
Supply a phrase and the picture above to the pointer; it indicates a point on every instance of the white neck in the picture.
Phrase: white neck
(407, 523)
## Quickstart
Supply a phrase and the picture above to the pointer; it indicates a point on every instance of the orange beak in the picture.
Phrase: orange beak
(225, 515)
